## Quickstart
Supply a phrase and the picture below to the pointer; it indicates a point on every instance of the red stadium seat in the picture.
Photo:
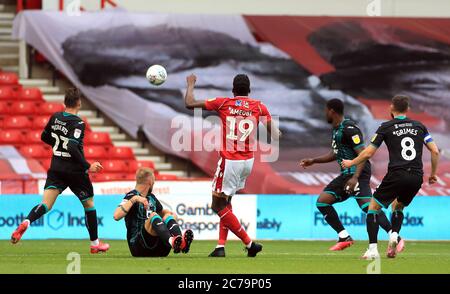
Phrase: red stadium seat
(35, 151)
(23, 108)
(16, 122)
(134, 165)
(50, 108)
(13, 137)
(121, 153)
(4, 107)
(7, 93)
(39, 122)
(46, 163)
(96, 138)
(8, 78)
(104, 177)
(95, 152)
(30, 94)
(115, 166)
(33, 136)
(163, 177)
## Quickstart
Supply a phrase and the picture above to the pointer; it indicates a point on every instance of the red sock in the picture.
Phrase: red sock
(233, 224)
(223, 230)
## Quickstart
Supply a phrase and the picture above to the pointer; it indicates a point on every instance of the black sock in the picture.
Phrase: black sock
(397, 220)
(331, 216)
(173, 226)
(91, 223)
(161, 229)
(372, 226)
(37, 212)
(383, 221)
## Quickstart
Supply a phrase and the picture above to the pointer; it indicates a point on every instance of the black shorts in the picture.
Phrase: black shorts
(146, 245)
(399, 184)
(337, 188)
(79, 183)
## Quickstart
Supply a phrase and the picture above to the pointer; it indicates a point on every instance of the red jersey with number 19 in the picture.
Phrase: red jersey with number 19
(240, 117)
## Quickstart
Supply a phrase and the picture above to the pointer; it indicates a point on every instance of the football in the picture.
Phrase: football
(156, 75)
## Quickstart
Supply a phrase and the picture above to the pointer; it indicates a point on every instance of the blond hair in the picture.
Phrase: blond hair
(142, 174)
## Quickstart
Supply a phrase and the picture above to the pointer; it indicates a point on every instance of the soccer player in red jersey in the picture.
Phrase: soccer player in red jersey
(240, 116)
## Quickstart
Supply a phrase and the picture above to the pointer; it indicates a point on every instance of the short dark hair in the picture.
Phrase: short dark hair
(401, 103)
(241, 85)
(73, 95)
(337, 105)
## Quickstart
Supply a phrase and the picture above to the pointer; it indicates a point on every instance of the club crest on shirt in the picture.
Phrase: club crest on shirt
(246, 104)
(77, 133)
(356, 139)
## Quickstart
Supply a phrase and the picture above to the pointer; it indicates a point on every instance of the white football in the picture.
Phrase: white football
(156, 74)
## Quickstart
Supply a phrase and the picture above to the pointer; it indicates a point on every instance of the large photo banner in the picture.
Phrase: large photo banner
(295, 64)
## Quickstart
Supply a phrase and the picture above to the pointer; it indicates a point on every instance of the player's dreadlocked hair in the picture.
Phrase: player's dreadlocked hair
(71, 98)
(337, 105)
(241, 85)
(401, 103)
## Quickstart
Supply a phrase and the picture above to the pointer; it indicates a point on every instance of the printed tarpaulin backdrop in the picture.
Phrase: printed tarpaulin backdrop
(300, 65)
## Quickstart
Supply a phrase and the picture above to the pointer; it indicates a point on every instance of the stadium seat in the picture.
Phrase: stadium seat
(121, 153)
(33, 136)
(4, 107)
(104, 177)
(13, 137)
(115, 166)
(35, 151)
(134, 165)
(30, 94)
(16, 122)
(39, 122)
(45, 163)
(50, 108)
(23, 108)
(95, 152)
(7, 93)
(8, 78)
(97, 138)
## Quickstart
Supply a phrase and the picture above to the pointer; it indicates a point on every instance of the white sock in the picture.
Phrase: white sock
(249, 244)
(393, 237)
(373, 246)
(95, 243)
(343, 234)
(171, 241)
(220, 246)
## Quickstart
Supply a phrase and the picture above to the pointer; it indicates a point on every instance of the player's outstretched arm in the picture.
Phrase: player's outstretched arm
(329, 157)
(189, 98)
(434, 150)
(366, 154)
(273, 131)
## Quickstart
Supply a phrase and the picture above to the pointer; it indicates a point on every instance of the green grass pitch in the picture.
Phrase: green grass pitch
(49, 256)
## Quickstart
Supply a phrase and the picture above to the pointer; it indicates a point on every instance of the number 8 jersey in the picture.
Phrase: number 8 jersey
(404, 139)
(240, 117)
(65, 133)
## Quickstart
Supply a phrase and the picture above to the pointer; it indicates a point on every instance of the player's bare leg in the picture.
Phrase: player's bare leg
(36, 213)
(219, 205)
(155, 226)
(396, 244)
(372, 230)
(92, 227)
(325, 206)
(170, 219)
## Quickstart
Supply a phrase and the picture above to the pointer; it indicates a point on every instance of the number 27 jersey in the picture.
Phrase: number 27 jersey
(240, 117)
(404, 139)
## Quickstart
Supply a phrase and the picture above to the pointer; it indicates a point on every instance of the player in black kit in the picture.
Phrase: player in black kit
(404, 139)
(65, 133)
(152, 231)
